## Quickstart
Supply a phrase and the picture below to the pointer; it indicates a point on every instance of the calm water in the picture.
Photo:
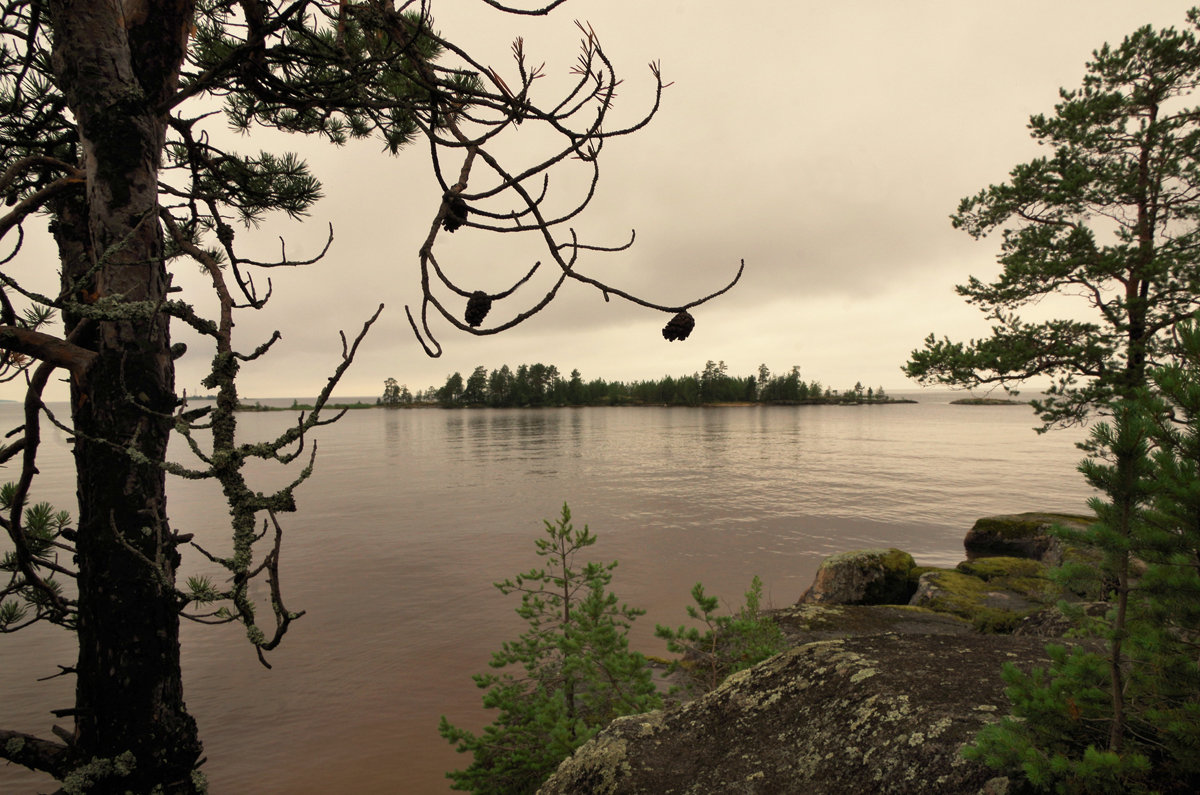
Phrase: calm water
(411, 516)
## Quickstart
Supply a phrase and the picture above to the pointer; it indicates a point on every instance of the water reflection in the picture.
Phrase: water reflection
(412, 514)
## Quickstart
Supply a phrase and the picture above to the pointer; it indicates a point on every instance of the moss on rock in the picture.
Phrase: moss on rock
(806, 623)
(1025, 535)
(1003, 568)
(993, 593)
(863, 577)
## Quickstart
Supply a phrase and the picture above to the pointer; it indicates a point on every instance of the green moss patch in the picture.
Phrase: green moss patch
(864, 576)
(992, 593)
(1002, 568)
(1027, 525)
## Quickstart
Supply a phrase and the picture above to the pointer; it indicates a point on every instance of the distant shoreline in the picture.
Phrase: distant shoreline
(983, 401)
(296, 406)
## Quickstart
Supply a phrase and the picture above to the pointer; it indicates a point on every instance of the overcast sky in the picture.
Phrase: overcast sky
(825, 143)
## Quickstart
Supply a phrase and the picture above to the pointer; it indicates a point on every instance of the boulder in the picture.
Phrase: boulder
(864, 577)
(877, 713)
(993, 593)
(1022, 535)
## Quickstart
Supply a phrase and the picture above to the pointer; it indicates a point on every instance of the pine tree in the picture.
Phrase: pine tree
(1108, 217)
(576, 671)
(1072, 721)
(391, 393)
(1128, 719)
(726, 644)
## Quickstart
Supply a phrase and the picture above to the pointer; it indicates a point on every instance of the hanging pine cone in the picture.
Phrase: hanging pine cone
(478, 305)
(456, 215)
(679, 327)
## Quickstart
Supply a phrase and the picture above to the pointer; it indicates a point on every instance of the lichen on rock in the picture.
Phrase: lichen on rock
(880, 713)
(872, 696)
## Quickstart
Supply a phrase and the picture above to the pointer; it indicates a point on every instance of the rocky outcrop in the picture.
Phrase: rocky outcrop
(879, 713)
(887, 678)
(1022, 535)
(863, 577)
(805, 623)
(993, 593)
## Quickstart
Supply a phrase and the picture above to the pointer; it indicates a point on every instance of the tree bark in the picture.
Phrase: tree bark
(116, 63)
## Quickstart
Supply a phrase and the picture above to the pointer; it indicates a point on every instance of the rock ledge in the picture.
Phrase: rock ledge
(880, 714)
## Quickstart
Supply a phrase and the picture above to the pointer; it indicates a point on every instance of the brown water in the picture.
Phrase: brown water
(412, 515)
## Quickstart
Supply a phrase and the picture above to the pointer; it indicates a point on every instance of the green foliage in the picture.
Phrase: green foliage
(1127, 720)
(543, 385)
(722, 644)
(451, 393)
(576, 672)
(202, 591)
(1110, 216)
(24, 600)
(358, 81)
(391, 393)
(1061, 725)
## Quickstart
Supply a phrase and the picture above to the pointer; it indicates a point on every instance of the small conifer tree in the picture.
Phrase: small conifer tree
(727, 643)
(577, 672)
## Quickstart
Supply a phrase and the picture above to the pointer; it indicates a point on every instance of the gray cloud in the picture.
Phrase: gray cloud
(824, 143)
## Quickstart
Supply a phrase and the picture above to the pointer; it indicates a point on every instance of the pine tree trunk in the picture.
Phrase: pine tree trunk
(1125, 466)
(116, 62)
(1116, 660)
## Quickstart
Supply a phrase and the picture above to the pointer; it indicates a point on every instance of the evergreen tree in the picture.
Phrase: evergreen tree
(391, 393)
(575, 389)
(577, 672)
(475, 391)
(500, 386)
(1072, 721)
(1127, 720)
(451, 392)
(726, 644)
(764, 378)
(1111, 217)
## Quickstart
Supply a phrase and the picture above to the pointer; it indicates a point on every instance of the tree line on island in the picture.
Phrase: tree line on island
(543, 385)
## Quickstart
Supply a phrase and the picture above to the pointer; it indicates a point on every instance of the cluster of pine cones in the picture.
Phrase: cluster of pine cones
(457, 215)
(679, 327)
(478, 306)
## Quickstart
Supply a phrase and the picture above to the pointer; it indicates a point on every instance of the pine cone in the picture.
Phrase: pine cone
(679, 327)
(456, 215)
(478, 305)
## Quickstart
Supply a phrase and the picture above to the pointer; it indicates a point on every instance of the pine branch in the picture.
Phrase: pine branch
(34, 753)
(47, 348)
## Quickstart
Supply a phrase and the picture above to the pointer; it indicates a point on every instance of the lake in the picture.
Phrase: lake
(411, 515)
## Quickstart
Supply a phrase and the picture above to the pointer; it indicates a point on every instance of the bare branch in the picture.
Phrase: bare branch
(47, 348)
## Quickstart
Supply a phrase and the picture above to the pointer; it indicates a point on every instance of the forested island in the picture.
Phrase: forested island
(543, 385)
(987, 401)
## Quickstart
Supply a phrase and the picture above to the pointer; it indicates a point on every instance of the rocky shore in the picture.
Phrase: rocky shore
(892, 668)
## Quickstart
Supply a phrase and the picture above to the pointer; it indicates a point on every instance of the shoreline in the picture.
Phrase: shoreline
(258, 406)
